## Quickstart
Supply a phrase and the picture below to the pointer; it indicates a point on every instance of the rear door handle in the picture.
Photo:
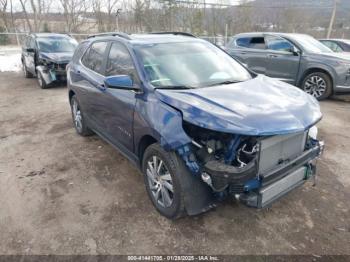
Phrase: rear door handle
(272, 56)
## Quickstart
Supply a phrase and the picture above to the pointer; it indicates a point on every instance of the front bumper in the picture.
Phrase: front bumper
(284, 179)
(52, 74)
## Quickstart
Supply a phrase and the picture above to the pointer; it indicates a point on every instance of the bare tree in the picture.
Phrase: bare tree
(106, 12)
(38, 10)
(24, 9)
(74, 11)
(3, 13)
(112, 11)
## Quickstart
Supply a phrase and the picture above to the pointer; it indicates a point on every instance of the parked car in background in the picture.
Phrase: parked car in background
(297, 59)
(198, 124)
(337, 45)
(46, 55)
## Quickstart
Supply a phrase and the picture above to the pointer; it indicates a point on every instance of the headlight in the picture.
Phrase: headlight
(313, 132)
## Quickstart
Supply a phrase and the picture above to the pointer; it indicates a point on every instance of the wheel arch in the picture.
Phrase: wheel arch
(145, 142)
(315, 70)
(71, 93)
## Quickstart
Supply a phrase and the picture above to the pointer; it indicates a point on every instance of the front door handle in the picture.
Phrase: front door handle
(272, 56)
(102, 87)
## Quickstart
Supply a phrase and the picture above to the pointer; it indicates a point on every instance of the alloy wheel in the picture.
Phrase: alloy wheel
(78, 121)
(160, 182)
(315, 86)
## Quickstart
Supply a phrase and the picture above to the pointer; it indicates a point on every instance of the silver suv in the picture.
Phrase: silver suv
(297, 59)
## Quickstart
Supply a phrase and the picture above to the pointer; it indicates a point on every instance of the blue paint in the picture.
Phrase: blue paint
(258, 107)
(185, 153)
(252, 184)
(119, 81)
(232, 149)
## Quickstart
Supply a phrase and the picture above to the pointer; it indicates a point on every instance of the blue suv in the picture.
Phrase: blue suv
(200, 126)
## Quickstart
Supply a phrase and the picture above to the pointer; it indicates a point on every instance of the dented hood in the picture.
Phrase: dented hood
(260, 106)
(57, 57)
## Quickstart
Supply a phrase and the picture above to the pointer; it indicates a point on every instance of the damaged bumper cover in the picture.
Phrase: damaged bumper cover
(283, 179)
(53, 72)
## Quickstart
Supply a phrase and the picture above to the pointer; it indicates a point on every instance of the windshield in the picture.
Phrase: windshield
(190, 64)
(57, 44)
(311, 45)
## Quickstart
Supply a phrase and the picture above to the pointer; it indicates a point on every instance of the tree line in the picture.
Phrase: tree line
(199, 17)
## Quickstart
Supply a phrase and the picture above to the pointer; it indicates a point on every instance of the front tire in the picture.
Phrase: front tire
(41, 81)
(318, 84)
(162, 173)
(78, 118)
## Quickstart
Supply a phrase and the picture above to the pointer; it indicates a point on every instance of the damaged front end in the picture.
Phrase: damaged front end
(255, 169)
(52, 71)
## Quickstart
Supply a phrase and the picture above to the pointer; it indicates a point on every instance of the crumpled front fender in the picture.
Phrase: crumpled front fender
(45, 73)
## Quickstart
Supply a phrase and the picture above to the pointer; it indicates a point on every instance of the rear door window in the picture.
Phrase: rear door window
(257, 43)
(243, 42)
(94, 57)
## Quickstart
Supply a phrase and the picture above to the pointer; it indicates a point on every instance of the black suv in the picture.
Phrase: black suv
(46, 56)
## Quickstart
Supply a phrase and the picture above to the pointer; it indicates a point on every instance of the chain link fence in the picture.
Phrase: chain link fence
(17, 39)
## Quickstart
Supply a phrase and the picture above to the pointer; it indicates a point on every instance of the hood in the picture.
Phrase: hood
(57, 57)
(260, 106)
(334, 56)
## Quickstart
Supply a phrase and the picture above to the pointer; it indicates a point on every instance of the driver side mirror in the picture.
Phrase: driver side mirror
(30, 50)
(120, 82)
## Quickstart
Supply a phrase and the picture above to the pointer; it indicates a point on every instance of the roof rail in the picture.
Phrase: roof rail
(119, 34)
(174, 33)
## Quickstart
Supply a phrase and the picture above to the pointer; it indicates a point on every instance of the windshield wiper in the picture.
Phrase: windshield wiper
(175, 87)
(227, 82)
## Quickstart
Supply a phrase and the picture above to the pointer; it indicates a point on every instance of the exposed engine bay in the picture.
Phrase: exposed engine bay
(241, 165)
(52, 71)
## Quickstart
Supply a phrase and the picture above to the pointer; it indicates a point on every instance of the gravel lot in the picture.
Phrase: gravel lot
(64, 194)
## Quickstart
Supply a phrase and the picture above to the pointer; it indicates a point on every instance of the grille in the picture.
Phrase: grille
(236, 189)
(61, 67)
(280, 149)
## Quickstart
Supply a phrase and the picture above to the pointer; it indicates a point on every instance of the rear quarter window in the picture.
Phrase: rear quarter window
(79, 51)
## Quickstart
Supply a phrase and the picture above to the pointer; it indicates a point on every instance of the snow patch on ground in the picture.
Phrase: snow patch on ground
(10, 61)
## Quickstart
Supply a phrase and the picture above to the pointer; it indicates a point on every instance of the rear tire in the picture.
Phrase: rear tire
(162, 174)
(318, 84)
(78, 118)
